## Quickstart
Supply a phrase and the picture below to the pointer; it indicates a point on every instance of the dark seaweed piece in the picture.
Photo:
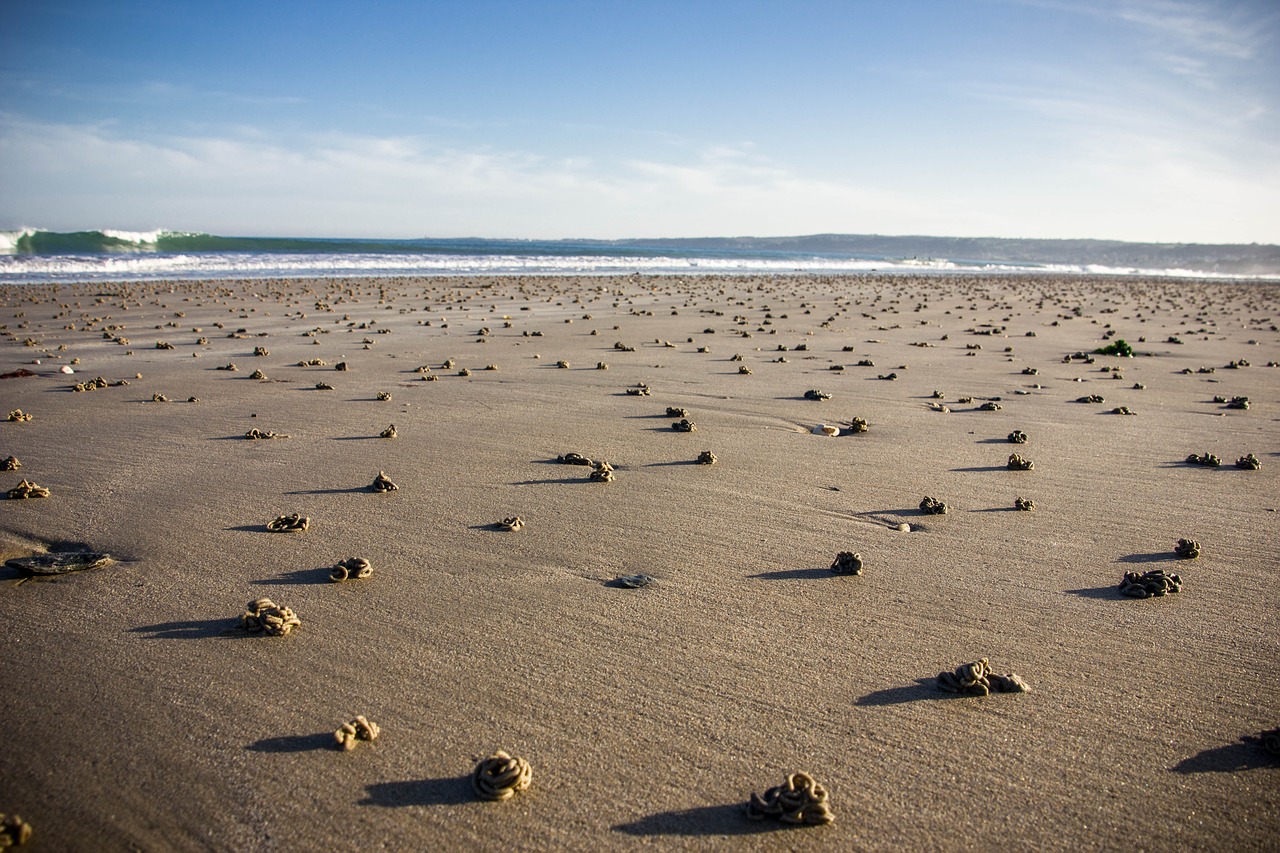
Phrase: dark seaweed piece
(933, 506)
(1209, 460)
(1020, 463)
(799, 800)
(1118, 347)
(634, 581)
(977, 679)
(1154, 583)
(847, 563)
(1187, 549)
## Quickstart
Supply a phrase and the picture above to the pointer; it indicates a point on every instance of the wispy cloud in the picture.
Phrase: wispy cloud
(420, 185)
(1215, 29)
(69, 176)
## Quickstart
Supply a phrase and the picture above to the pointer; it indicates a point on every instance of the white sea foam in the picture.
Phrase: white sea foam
(9, 239)
(142, 266)
(141, 238)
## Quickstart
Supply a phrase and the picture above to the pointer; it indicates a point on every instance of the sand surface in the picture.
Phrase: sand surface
(138, 715)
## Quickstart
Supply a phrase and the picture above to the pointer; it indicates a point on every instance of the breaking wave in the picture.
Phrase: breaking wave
(32, 255)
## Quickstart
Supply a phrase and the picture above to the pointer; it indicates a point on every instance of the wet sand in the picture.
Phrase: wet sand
(139, 714)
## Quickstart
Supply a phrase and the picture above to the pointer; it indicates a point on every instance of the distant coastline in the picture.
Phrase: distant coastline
(1231, 259)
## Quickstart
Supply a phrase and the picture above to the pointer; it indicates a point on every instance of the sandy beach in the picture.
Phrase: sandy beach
(140, 714)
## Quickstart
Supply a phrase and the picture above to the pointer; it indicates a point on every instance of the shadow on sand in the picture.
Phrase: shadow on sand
(728, 819)
(293, 743)
(1105, 593)
(924, 689)
(445, 791)
(1150, 557)
(191, 629)
(1248, 754)
(794, 574)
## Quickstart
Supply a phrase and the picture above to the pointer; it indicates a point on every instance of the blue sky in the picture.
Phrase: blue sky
(1124, 119)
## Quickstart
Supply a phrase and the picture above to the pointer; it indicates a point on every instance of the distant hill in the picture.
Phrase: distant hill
(1229, 259)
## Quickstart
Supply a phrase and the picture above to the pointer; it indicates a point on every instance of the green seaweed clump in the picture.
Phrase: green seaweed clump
(382, 483)
(1249, 462)
(294, 523)
(1154, 583)
(361, 728)
(977, 679)
(799, 800)
(933, 506)
(357, 568)
(501, 776)
(1116, 347)
(266, 617)
(26, 490)
(14, 831)
(1208, 460)
(1187, 549)
(847, 563)
(1020, 463)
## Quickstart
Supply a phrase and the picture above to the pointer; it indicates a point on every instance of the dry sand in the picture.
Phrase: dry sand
(138, 715)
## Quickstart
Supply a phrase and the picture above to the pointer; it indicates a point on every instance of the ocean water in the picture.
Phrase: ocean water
(35, 256)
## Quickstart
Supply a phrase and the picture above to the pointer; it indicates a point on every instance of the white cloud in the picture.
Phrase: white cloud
(1235, 31)
(1131, 185)
(75, 176)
